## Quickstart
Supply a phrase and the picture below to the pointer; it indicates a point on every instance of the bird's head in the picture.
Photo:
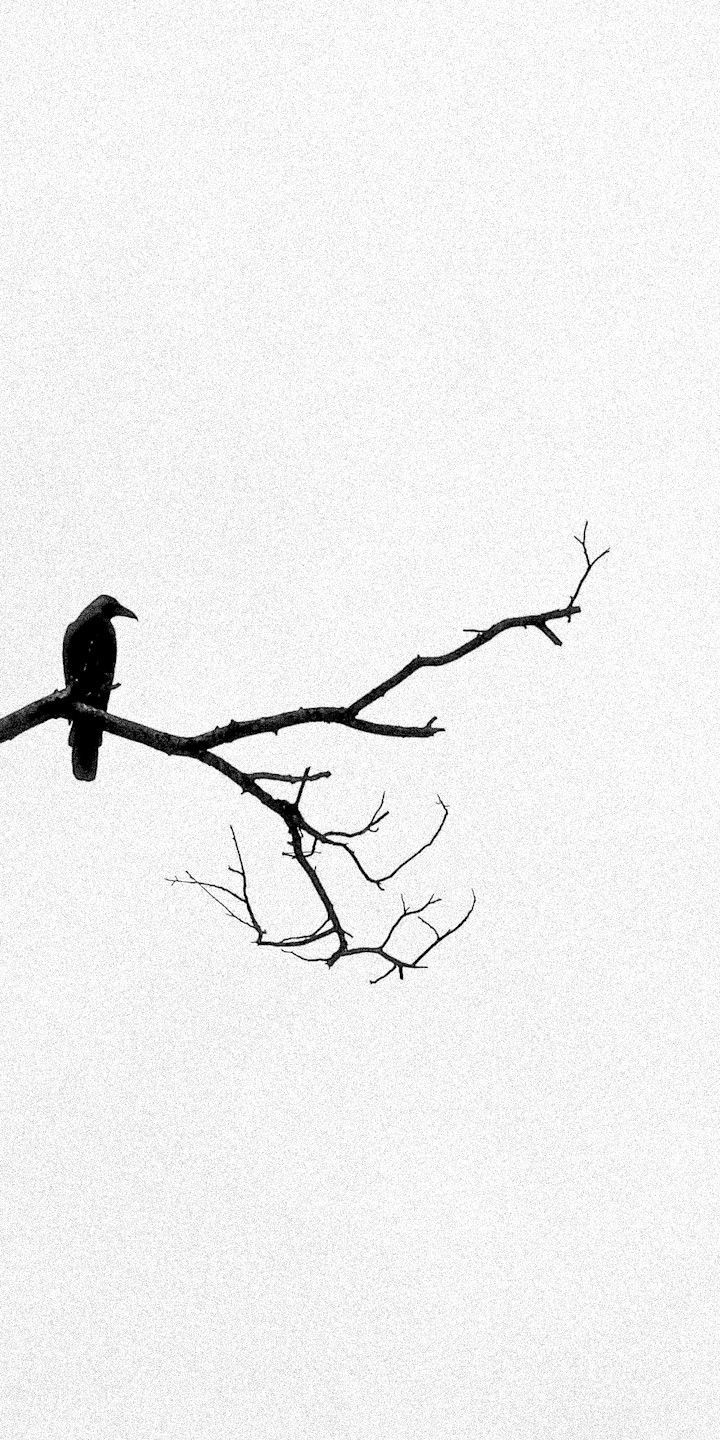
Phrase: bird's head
(108, 608)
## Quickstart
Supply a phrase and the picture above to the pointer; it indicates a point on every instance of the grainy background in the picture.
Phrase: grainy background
(324, 328)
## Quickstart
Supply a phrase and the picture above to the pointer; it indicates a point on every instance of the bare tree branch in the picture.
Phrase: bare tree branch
(329, 927)
(290, 779)
(368, 829)
(61, 704)
(588, 563)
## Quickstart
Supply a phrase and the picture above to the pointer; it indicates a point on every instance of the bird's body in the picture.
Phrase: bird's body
(89, 653)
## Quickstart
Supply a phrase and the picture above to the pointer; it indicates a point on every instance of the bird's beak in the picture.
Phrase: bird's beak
(122, 611)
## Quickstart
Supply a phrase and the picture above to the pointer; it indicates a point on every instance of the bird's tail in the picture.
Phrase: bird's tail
(86, 740)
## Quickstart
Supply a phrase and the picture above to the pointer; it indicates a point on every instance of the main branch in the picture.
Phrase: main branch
(63, 705)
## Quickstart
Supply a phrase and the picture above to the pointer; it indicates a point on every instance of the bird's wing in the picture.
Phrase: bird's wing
(89, 654)
(68, 651)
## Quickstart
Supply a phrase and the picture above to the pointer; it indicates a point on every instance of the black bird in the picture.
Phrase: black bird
(89, 652)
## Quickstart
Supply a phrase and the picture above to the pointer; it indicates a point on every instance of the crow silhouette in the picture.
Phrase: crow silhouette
(89, 653)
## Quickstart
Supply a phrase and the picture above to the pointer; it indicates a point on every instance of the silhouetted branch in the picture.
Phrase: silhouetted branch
(368, 829)
(61, 704)
(330, 926)
(290, 779)
(588, 563)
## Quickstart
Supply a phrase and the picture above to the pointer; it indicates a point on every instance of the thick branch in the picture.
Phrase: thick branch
(61, 704)
(50, 707)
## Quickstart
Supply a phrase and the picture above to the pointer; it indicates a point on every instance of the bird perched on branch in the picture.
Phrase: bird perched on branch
(89, 653)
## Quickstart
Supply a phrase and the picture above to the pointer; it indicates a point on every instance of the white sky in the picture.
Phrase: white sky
(324, 329)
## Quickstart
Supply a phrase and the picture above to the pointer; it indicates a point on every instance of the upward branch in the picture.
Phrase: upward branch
(61, 705)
